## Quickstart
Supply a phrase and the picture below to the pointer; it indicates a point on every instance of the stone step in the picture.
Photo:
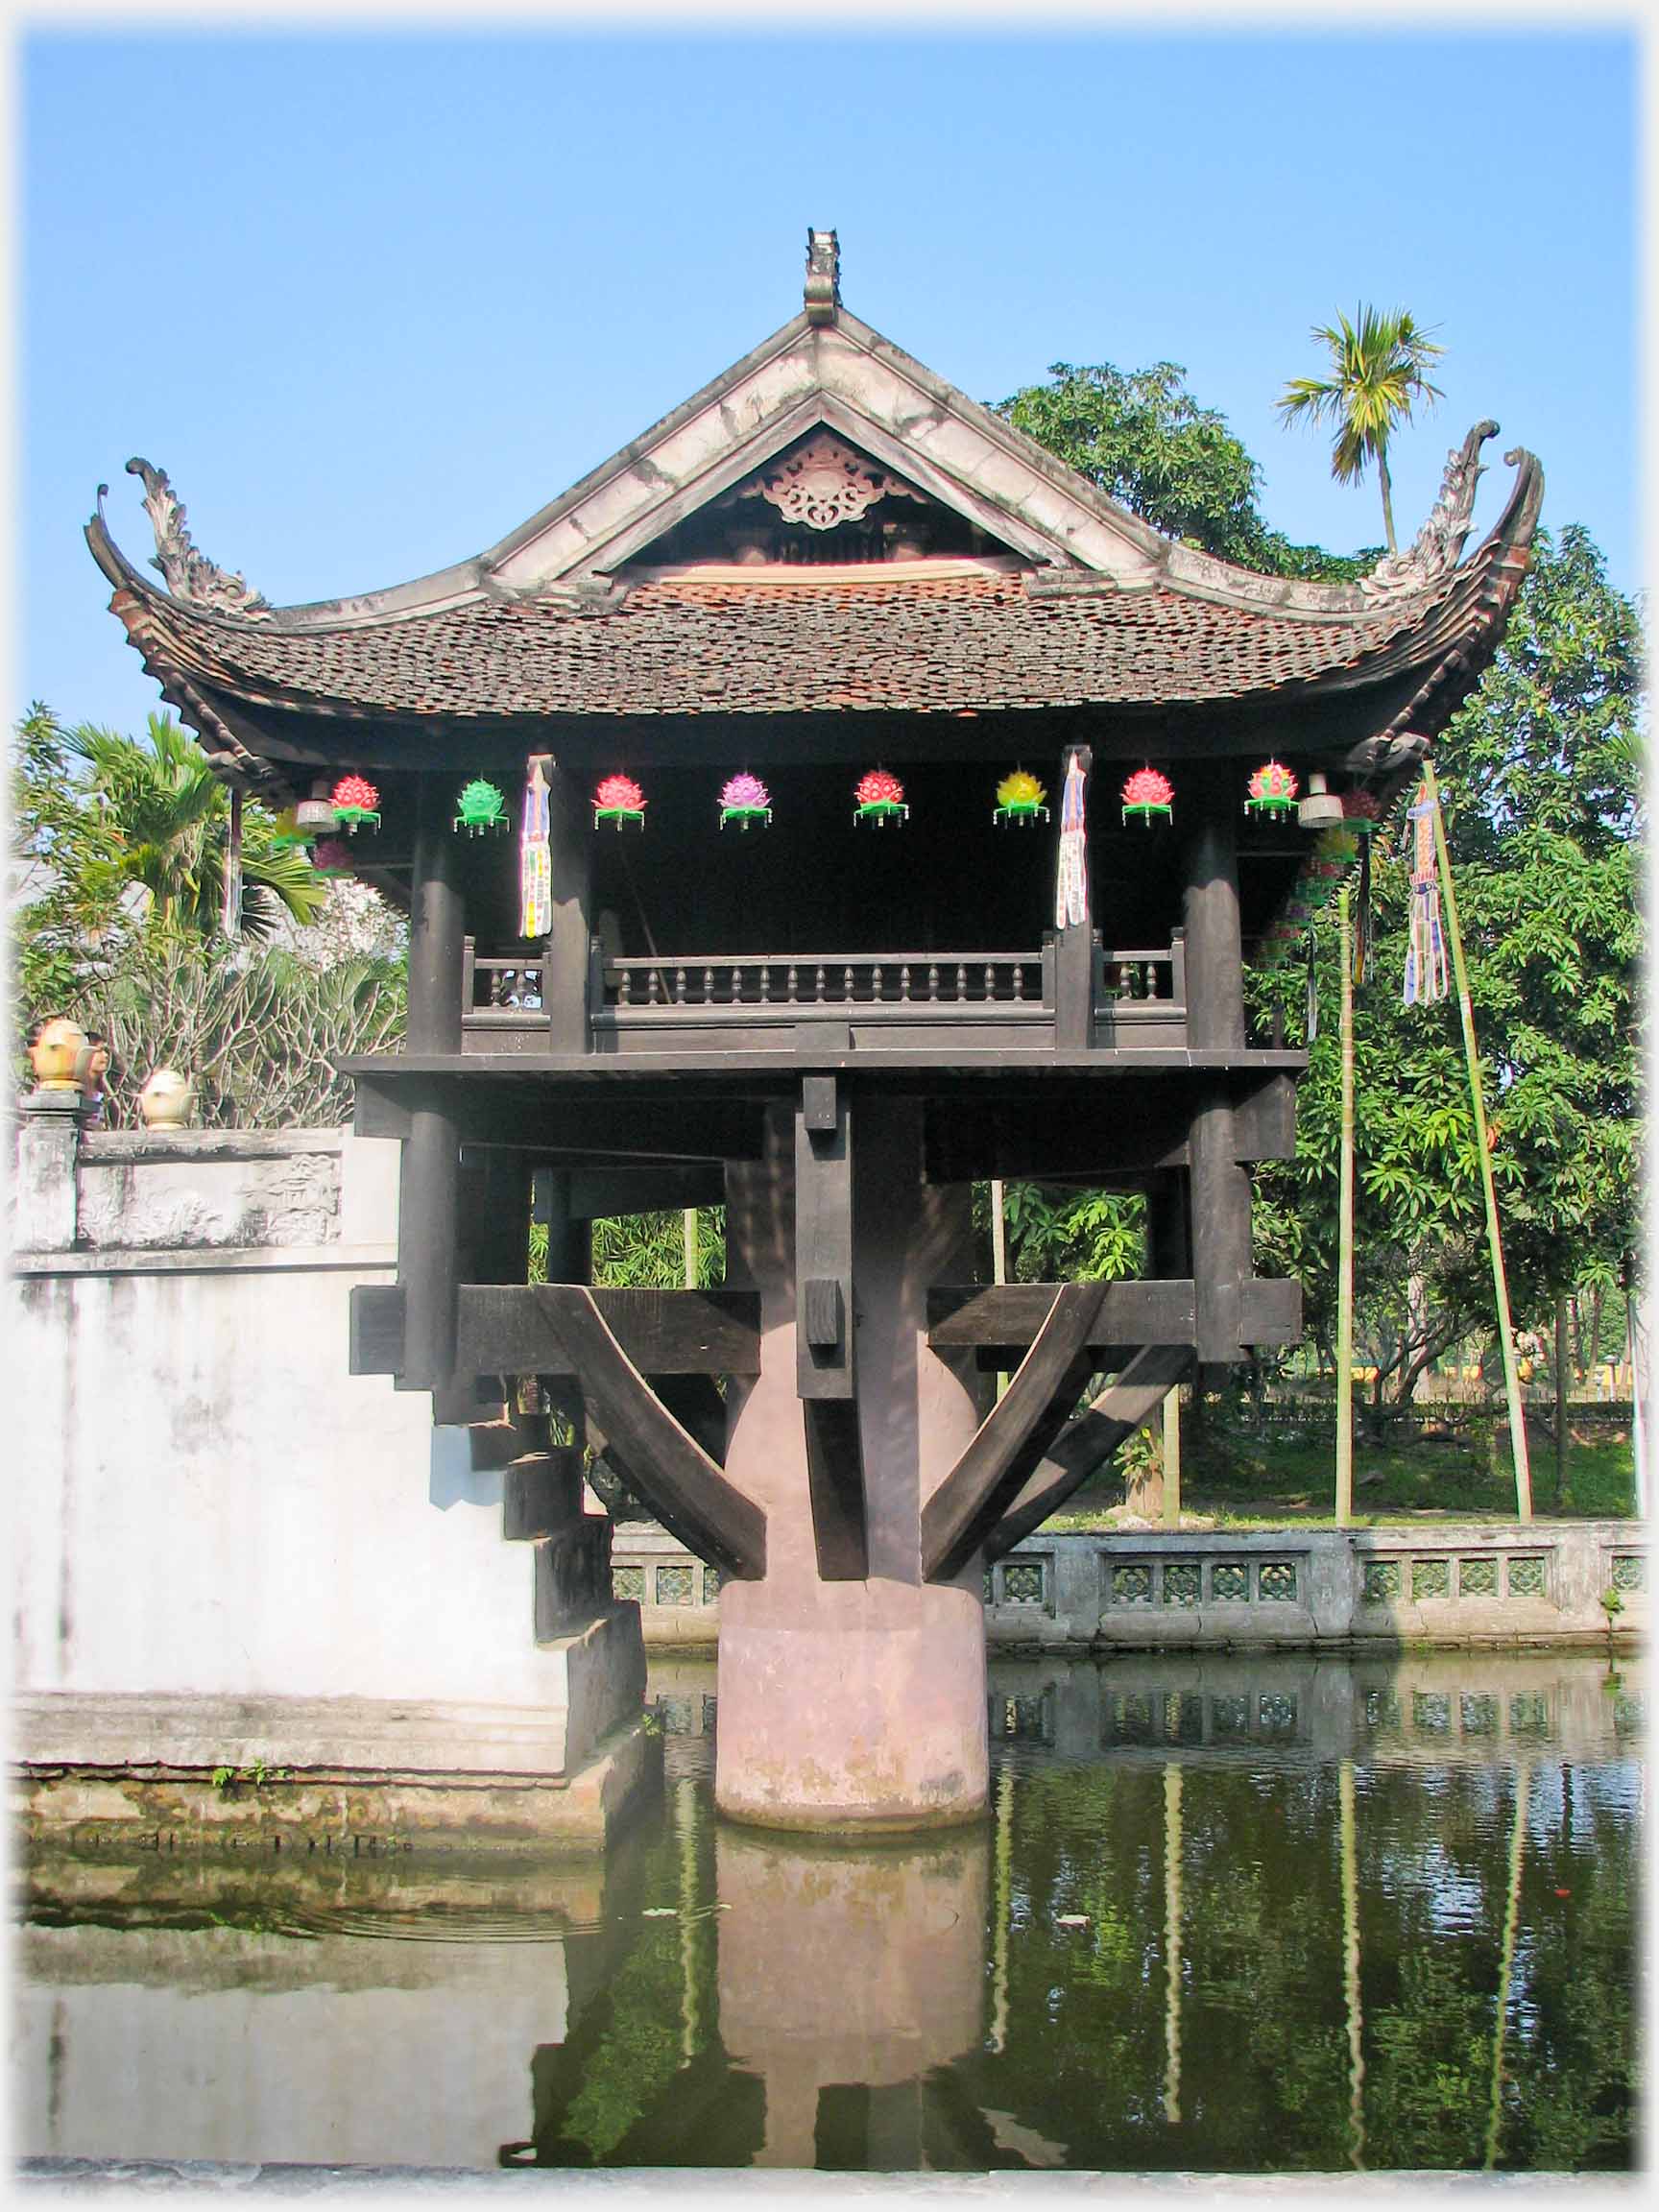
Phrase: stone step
(572, 1578)
(542, 1493)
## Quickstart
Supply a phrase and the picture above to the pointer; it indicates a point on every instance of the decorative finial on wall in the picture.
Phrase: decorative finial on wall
(823, 275)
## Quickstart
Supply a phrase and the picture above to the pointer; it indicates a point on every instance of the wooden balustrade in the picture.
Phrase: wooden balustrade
(1140, 994)
(809, 980)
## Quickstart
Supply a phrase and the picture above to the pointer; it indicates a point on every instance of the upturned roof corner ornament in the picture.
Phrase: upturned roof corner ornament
(187, 573)
(823, 275)
(1436, 550)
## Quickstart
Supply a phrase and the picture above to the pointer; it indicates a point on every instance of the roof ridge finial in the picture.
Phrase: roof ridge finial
(823, 275)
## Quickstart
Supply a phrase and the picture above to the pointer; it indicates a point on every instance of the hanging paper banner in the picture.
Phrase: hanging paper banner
(535, 856)
(1427, 981)
(1072, 880)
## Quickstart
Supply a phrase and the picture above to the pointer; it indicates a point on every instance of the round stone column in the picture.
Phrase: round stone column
(853, 1706)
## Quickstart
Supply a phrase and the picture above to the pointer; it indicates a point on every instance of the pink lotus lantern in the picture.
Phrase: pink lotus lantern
(619, 800)
(1146, 793)
(880, 797)
(745, 800)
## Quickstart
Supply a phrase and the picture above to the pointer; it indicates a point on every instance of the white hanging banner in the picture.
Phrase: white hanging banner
(535, 855)
(1071, 879)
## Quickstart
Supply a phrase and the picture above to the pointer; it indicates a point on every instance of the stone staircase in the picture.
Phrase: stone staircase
(544, 1504)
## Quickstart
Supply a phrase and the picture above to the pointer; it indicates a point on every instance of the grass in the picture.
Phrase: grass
(1242, 1480)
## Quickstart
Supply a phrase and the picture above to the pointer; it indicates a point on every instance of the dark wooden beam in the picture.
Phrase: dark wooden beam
(660, 1332)
(1138, 1127)
(824, 1362)
(994, 1319)
(656, 1454)
(502, 1330)
(1014, 1313)
(1014, 1436)
(835, 1483)
(488, 1110)
(1087, 1441)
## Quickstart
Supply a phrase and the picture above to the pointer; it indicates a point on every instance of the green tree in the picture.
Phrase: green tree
(160, 826)
(1142, 438)
(1379, 370)
(1539, 776)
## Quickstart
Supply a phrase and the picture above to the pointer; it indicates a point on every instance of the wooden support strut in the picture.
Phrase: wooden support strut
(654, 1453)
(1087, 1440)
(1014, 1436)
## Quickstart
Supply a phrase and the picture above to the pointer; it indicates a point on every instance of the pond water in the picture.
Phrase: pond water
(1246, 1915)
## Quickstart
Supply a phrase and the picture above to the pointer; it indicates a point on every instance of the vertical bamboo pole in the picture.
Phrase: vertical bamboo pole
(688, 1231)
(999, 1251)
(1563, 1442)
(1471, 1053)
(1172, 1458)
(1345, 1233)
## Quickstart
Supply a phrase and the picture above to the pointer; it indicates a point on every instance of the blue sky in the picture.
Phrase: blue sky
(374, 298)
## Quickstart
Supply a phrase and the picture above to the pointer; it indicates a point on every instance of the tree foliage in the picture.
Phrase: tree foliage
(117, 834)
(1379, 372)
(261, 1034)
(1539, 779)
(1142, 438)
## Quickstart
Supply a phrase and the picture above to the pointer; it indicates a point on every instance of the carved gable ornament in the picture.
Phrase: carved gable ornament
(825, 483)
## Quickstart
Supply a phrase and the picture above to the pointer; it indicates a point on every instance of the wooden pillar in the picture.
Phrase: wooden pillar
(566, 950)
(426, 1222)
(1075, 960)
(1219, 1187)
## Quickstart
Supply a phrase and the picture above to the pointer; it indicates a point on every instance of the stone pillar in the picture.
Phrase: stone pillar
(852, 1705)
(44, 1206)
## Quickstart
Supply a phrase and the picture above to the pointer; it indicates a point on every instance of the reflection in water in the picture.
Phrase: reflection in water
(1351, 1964)
(1226, 1914)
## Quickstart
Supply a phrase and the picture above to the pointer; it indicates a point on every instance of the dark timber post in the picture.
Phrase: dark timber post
(1074, 957)
(565, 979)
(430, 1187)
(1219, 1187)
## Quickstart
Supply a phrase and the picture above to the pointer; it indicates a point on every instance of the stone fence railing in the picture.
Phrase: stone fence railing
(1544, 1582)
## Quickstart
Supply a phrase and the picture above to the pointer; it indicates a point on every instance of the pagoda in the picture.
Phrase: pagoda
(811, 708)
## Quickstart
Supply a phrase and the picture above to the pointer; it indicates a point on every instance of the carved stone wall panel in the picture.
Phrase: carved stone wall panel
(183, 1205)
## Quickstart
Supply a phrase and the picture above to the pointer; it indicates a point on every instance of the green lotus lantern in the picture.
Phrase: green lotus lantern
(481, 808)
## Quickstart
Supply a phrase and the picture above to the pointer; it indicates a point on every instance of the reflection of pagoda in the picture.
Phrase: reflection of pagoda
(825, 562)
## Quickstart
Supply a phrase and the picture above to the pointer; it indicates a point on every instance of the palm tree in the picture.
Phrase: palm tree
(161, 830)
(1378, 370)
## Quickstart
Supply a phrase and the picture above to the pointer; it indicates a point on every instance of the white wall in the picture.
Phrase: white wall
(203, 1500)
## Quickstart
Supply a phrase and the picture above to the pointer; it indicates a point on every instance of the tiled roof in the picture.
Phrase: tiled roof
(674, 644)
